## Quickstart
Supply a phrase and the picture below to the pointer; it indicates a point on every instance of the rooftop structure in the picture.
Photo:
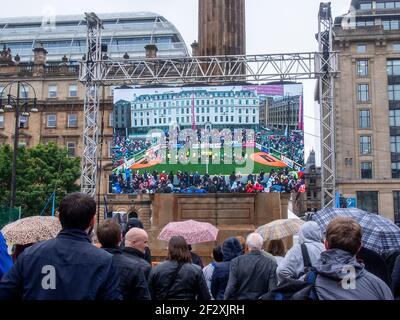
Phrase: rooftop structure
(124, 33)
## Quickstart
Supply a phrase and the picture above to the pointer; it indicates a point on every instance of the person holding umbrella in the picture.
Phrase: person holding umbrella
(339, 275)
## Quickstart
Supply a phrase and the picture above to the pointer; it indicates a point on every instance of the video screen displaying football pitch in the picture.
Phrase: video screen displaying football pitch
(165, 132)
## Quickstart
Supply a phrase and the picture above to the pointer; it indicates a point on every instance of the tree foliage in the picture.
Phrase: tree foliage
(40, 171)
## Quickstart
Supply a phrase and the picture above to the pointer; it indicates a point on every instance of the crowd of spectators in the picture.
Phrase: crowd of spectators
(125, 149)
(291, 146)
(127, 182)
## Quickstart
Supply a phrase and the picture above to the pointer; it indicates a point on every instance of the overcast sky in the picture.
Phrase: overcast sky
(271, 27)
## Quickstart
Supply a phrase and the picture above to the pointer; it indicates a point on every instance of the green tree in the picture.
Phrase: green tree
(40, 171)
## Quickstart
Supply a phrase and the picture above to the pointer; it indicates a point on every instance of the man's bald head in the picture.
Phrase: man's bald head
(137, 238)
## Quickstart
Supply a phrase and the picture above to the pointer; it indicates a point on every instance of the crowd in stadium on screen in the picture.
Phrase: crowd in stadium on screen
(125, 181)
(125, 148)
(290, 145)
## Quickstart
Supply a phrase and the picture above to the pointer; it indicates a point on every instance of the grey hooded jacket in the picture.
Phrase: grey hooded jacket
(341, 277)
(292, 266)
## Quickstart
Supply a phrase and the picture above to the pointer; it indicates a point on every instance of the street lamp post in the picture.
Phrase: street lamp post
(16, 100)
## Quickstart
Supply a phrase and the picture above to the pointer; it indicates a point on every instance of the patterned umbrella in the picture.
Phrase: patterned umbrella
(280, 229)
(193, 231)
(378, 233)
(32, 230)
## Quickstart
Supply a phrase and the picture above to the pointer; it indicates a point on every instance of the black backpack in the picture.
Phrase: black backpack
(293, 289)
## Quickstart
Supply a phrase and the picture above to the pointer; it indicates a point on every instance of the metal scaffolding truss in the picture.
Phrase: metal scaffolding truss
(321, 65)
(328, 68)
(92, 70)
(212, 69)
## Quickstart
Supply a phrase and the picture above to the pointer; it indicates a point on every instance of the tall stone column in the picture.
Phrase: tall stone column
(222, 29)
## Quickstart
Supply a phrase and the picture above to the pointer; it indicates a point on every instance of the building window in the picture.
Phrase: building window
(395, 144)
(394, 118)
(110, 149)
(361, 48)
(72, 120)
(24, 92)
(23, 121)
(393, 67)
(387, 5)
(366, 6)
(396, 47)
(368, 201)
(71, 147)
(51, 121)
(363, 92)
(365, 145)
(394, 92)
(364, 119)
(396, 170)
(396, 200)
(366, 170)
(2, 94)
(110, 184)
(1, 121)
(111, 119)
(52, 91)
(362, 68)
(73, 91)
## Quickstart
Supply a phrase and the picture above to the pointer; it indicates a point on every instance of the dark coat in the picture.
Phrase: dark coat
(138, 258)
(188, 285)
(251, 276)
(196, 260)
(133, 284)
(231, 249)
(390, 259)
(396, 279)
(147, 254)
(68, 267)
(135, 223)
(375, 264)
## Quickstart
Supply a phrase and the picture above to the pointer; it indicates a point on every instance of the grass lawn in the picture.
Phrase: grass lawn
(214, 169)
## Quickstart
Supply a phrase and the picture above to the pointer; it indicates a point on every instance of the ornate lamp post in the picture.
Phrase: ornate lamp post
(20, 105)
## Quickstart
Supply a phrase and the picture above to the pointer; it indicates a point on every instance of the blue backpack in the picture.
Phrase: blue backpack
(292, 289)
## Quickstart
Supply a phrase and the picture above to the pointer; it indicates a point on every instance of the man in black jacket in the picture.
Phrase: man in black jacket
(68, 267)
(136, 242)
(253, 274)
(135, 223)
(133, 284)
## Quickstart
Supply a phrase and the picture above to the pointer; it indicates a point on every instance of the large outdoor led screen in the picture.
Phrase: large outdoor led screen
(198, 139)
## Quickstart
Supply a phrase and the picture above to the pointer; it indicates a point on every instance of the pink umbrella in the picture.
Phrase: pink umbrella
(193, 231)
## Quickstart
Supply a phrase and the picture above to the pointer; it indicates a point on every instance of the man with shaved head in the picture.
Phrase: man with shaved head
(136, 242)
(252, 274)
